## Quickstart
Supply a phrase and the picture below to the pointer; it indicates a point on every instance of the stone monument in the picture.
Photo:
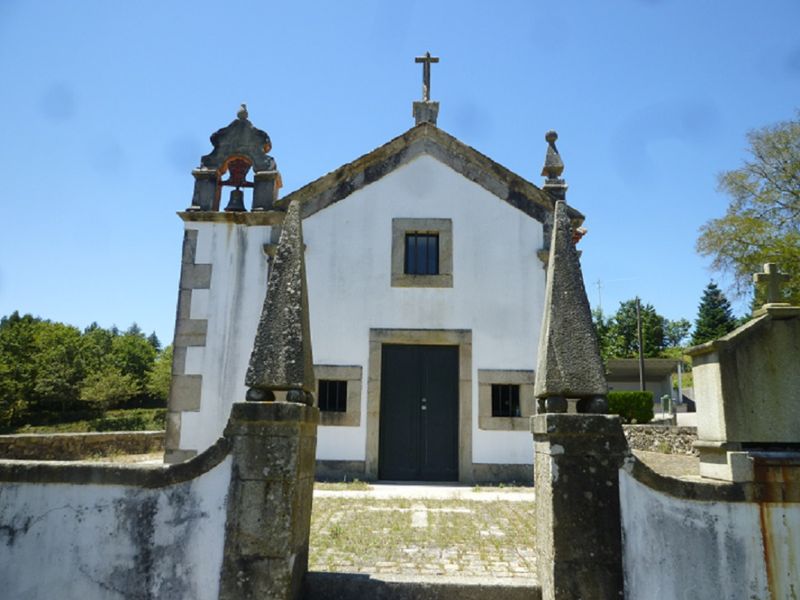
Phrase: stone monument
(747, 389)
(576, 456)
(269, 500)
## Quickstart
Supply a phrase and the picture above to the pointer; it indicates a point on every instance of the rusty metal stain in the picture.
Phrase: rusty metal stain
(779, 489)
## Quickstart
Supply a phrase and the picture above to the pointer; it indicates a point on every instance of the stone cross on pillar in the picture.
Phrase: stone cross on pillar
(426, 74)
(773, 280)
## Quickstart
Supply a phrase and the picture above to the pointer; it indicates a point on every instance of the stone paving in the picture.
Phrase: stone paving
(429, 531)
(671, 465)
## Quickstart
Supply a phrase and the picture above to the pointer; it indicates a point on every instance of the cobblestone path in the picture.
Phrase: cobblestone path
(413, 536)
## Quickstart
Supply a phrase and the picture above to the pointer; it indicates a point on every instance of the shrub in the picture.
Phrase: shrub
(633, 407)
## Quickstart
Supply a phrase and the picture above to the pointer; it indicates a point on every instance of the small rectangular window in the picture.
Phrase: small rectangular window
(422, 254)
(505, 400)
(332, 396)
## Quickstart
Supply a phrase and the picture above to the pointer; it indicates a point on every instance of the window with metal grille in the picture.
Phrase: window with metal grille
(332, 395)
(422, 254)
(505, 400)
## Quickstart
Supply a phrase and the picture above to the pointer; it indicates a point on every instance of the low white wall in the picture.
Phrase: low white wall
(688, 549)
(107, 542)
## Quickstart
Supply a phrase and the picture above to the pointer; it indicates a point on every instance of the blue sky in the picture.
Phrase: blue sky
(107, 107)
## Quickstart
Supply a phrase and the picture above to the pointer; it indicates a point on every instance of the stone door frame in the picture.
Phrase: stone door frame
(462, 338)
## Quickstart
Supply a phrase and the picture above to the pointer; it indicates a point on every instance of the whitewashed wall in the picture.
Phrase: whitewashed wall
(498, 287)
(693, 550)
(498, 293)
(109, 542)
(232, 306)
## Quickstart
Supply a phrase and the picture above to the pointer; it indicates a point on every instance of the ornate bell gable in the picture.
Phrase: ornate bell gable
(238, 148)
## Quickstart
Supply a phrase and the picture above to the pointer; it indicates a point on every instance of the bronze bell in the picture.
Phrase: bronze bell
(236, 203)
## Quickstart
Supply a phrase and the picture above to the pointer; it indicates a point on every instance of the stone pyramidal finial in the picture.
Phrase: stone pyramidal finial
(553, 168)
(281, 357)
(569, 364)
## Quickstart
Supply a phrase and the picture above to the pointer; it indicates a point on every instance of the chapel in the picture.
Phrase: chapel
(426, 264)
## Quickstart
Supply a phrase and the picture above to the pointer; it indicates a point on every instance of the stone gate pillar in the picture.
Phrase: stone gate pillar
(576, 466)
(577, 456)
(269, 500)
(274, 442)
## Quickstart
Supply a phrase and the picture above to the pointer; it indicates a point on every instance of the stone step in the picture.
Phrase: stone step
(347, 586)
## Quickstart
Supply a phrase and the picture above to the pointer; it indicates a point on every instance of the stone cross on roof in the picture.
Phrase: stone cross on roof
(426, 74)
(773, 280)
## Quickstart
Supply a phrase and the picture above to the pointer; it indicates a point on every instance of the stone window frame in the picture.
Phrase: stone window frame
(353, 375)
(442, 227)
(527, 401)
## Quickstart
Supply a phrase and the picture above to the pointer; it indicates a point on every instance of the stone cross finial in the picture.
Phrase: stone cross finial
(773, 280)
(426, 74)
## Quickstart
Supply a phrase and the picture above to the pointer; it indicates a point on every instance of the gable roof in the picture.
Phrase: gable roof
(426, 138)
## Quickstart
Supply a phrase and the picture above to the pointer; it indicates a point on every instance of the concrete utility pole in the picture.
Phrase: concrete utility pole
(641, 348)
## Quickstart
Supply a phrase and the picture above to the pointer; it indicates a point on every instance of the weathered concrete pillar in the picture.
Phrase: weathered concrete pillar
(579, 549)
(269, 500)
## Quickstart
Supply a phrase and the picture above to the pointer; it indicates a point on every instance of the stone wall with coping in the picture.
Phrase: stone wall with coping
(76, 446)
(661, 438)
(232, 522)
(706, 539)
(113, 531)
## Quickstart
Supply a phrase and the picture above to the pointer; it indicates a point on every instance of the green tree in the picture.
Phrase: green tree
(762, 222)
(154, 341)
(133, 355)
(714, 316)
(159, 379)
(623, 341)
(603, 327)
(17, 365)
(676, 332)
(109, 388)
(96, 344)
(59, 369)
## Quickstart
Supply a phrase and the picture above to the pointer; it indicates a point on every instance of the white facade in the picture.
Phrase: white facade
(489, 303)
(497, 293)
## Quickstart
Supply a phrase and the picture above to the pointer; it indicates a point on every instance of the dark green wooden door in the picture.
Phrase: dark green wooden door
(419, 413)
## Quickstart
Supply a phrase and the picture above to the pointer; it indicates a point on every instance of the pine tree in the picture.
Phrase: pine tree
(714, 316)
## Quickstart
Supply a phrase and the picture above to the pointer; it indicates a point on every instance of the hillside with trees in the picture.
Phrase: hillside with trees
(51, 372)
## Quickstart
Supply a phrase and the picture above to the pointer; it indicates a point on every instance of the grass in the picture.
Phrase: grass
(420, 536)
(502, 487)
(138, 419)
(354, 485)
